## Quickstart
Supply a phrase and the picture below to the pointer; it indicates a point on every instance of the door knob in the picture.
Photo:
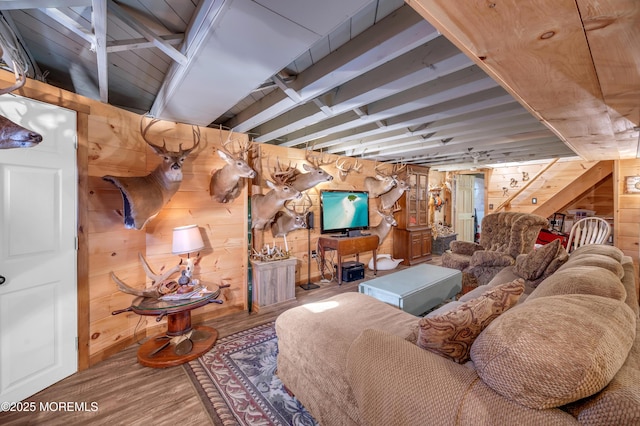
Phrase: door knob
(2, 279)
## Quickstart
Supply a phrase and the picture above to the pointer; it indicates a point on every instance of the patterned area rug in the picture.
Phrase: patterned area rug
(237, 381)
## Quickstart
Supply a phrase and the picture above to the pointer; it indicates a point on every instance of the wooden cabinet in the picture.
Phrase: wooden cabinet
(414, 203)
(412, 245)
(412, 236)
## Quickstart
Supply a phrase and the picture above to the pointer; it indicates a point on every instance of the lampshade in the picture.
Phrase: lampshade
(187, 239)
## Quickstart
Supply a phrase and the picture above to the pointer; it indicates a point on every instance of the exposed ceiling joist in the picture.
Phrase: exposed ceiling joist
(99, 22)
(146, 32)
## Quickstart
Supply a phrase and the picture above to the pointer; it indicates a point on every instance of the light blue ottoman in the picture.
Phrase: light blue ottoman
(417, 289)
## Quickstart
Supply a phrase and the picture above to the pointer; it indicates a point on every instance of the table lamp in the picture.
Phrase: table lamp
(186, 240)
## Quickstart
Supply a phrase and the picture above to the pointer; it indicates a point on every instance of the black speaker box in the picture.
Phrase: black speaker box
(310, 220)
(352, 271)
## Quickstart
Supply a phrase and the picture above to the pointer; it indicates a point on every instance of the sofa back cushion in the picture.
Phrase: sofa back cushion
(582, 280)
(599, 260)
(619, 402)
(554, 350)
(603, 249)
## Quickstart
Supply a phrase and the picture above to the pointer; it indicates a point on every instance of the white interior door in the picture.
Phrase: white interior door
(464, 207)
(38, 300)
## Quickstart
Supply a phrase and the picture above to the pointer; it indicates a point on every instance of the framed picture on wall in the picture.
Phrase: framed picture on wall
(632, 185)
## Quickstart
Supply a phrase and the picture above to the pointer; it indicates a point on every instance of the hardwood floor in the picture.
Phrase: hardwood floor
(120, 391)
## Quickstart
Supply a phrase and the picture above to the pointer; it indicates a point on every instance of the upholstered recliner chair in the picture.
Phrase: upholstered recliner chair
(503, 237)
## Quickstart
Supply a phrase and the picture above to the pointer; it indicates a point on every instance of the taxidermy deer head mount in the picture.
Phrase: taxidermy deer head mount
(264, 207)
(389, 198)
(144, 196)
(12, 135)
(315, 174)
(383, 228)
(290, 219)
(225, 184)
(379, 184)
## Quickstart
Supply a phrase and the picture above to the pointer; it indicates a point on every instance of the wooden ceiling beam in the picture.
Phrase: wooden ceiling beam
(141, 43)
(99, 23)
(539, 51)
(147, 33)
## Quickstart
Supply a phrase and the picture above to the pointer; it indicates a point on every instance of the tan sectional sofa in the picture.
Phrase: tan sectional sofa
(567, 353)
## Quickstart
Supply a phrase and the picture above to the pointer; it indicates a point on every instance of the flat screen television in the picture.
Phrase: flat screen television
(345, 212)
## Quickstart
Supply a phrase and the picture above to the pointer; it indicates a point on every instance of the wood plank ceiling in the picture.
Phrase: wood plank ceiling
(434, 82)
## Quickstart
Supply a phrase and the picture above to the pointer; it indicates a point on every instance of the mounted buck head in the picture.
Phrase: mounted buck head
(388, 199)
(144, 196)
(264, 207)
(225, 184)
(315, 174)
(13, 135)
(383, 228)
(345, 168)
(379, 184)
(290, 219)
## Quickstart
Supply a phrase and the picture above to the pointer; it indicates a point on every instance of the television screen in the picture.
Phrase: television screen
(343, 211)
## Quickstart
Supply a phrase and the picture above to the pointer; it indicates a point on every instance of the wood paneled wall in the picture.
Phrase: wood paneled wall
(110, 144)
(578, 183)
(298, 239)
(627, 210)
(117, 148)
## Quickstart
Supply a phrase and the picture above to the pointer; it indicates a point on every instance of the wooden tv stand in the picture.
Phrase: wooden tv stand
(345, 246)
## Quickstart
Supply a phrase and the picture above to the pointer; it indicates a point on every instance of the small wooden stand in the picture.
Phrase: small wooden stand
(273, 282)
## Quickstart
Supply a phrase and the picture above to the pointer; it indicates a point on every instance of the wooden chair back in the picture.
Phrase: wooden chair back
(590, 230)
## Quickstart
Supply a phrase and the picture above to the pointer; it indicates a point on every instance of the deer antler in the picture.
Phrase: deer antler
(143, 133)
(283, 174)
(156, 278)
(243, 147)
(196, 141)
(20, 75)
(305, 207)
(163, 148)
(379, 171)
(398, 167)
(316, 159)
(347, 168)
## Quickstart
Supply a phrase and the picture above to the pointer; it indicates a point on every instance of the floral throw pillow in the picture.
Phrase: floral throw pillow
(452, 333)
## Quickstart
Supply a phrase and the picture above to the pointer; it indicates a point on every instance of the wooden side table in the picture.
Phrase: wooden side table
(345, 246)
(178, 313)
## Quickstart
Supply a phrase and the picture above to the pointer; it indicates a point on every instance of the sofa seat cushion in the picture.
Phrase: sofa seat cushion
(582, 280)
(554, 350)
(451, 334)
(313, 341)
